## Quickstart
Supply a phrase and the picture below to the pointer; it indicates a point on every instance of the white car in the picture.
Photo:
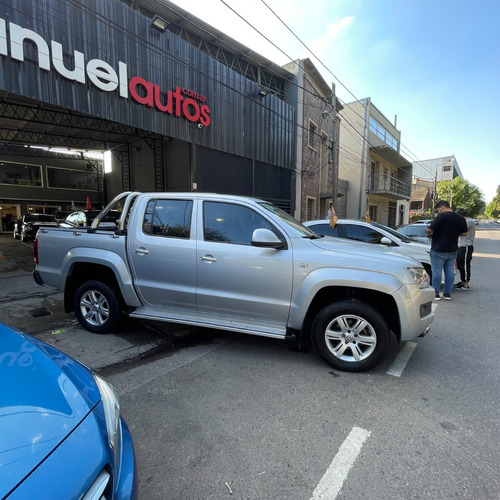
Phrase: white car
(374, 233)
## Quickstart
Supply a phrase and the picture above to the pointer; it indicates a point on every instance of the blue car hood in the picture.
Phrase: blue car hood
(44, 396)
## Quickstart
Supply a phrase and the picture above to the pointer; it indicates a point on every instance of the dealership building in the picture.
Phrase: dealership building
(175, 104)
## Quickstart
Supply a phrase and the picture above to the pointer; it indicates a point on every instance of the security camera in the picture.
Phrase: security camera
(325, 114)
(200, 125)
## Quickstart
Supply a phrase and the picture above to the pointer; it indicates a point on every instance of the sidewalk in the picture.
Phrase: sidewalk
(39, 311)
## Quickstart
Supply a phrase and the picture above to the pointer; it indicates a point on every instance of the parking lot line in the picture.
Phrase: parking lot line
(334, 477)
(401, 360)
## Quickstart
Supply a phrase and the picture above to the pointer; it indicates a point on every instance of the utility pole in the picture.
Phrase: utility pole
(335, 143)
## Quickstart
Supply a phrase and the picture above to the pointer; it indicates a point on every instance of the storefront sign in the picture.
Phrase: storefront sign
(181, 102)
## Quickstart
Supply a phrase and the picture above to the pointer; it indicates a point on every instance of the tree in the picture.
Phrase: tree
(493, 208)
(460, 193)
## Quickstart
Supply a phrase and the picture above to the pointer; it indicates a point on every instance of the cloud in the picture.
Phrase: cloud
(328, 42)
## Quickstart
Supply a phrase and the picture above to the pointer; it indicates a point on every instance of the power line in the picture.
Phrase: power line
(328, 69)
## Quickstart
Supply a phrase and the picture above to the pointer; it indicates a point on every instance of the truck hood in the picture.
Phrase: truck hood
(44, 396)
(365, 251)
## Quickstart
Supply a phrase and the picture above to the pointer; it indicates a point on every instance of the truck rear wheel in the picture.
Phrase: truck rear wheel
(350, 336)
(96, 306)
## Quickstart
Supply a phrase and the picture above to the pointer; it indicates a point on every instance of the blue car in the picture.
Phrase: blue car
(61, 433)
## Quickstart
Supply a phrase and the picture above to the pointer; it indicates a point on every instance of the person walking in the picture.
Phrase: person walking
(445, 229)
(465, 251)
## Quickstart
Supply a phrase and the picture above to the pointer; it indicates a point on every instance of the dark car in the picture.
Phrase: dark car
(27, 226)
(415, 231)
(84, 218)
(61, 432)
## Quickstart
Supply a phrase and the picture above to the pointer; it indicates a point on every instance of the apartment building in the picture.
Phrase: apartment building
(378, 176)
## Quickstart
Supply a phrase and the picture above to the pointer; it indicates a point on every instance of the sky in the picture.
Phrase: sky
(435, 64)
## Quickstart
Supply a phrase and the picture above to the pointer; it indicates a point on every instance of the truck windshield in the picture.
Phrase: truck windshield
(294, 224)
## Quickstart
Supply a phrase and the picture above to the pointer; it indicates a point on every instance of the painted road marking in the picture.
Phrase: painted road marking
(402, 359)
(331, 483)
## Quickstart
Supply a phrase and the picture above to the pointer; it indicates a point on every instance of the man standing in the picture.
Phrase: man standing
(465, 250)
(445, 230)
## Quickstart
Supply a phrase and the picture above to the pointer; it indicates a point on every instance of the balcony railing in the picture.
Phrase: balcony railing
(385, 185)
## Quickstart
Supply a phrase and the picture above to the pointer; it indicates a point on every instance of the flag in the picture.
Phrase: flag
(73, 206)
(333, 216)
(89, 203)
(367, 216)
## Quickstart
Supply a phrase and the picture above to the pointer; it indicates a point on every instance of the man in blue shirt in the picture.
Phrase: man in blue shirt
(445, 230)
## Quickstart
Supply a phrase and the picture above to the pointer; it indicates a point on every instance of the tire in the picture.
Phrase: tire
(350, 336)
(96, 306)
(23, 238)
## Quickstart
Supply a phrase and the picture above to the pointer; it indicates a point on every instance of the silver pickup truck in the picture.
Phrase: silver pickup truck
(238, 264)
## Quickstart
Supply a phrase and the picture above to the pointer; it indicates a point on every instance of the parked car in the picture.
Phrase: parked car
(61, 216)
(416, 231)
(83, 218)
(374, 233)
(62, 435)
(27, 227)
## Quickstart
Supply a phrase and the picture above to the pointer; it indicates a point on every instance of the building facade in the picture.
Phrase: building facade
(317, 145)
(379, 177)
(92, 76)
(427, 174)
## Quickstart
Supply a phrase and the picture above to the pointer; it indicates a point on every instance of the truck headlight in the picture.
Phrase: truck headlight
(419, 277)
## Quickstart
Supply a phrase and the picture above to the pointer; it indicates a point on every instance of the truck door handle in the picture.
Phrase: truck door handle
(208, 258)
(141, 251)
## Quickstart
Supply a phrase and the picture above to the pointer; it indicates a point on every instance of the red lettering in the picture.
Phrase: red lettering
(132, 86)
(178, 101)
(186, 108)
(205, 115)
(166, 108)
(175, 102)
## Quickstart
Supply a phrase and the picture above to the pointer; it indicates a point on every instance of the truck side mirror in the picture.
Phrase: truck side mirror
(267, 239)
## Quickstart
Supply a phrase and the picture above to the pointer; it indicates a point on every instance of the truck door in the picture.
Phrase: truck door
(236, 279)
(162, 254)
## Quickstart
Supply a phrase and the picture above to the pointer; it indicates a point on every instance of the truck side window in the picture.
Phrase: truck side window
(231, 223)
(171, 218)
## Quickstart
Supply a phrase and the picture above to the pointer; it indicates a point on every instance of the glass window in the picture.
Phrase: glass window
(72, 179)
(312, 135)
(232, 223)
(20, 174)
(325, 229)
(418, 230)
(171, 218)
(39, 218)
(362, 233)
(383, 134)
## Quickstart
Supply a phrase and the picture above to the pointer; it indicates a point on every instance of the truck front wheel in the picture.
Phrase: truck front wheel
(350, 336)
(96, 306)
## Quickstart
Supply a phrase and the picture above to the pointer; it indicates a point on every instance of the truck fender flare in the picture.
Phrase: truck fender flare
(95, 257)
